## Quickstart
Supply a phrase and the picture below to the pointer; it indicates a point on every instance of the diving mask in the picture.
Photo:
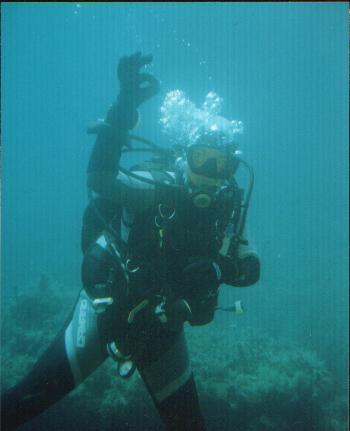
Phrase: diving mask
(216, 162)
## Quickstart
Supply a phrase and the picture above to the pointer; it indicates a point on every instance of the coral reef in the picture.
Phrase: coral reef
(265, 385)
(245, 382)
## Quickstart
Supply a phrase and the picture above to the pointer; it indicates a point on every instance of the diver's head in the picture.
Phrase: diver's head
(212, 155)
(210, 161)
(209, 158)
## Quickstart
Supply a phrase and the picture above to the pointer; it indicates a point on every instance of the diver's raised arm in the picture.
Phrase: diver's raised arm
(112, 134)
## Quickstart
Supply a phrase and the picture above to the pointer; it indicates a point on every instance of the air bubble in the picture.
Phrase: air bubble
(182, 121)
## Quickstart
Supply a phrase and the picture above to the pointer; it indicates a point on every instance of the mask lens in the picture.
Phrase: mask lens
(208, 161)
(199, 156)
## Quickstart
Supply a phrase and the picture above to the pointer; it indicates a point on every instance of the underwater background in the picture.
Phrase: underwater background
(282, 69)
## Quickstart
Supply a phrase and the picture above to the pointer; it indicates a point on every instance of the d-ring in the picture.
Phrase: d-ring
(159, 223)
(162, 214)
(131, 271)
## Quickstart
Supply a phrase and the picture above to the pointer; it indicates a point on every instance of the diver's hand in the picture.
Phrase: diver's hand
(136, 87)
(240, 272)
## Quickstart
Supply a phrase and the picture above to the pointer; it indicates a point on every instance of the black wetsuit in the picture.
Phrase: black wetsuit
(154, 256)
(160, 354)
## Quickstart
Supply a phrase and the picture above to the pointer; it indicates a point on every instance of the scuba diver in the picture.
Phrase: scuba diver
(158, 240)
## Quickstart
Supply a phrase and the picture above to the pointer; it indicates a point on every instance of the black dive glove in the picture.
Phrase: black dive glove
(241, 271)
(135, 88)
(202, 279)
(195, 298)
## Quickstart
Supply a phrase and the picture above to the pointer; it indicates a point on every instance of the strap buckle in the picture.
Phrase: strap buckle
(125, 366)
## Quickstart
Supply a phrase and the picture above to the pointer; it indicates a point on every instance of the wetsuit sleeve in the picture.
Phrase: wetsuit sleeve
(103, 176)
(122, 189)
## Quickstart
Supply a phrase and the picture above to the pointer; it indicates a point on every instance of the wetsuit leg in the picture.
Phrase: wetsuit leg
(166, 371)
(180, 411)
(76, 351)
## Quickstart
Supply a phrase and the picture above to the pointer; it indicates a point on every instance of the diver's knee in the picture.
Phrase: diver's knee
(84, 345)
